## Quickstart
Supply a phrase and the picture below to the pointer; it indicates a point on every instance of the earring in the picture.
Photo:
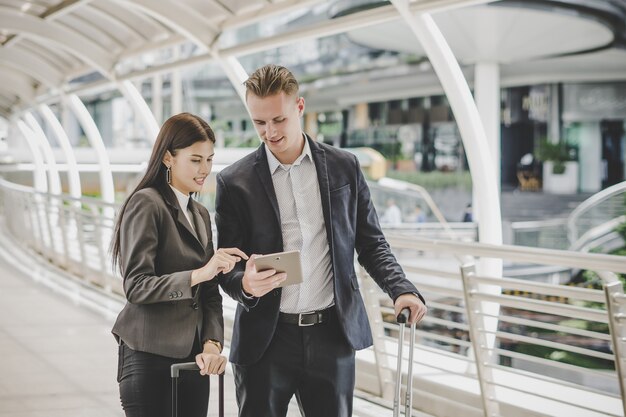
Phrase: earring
(168, 175)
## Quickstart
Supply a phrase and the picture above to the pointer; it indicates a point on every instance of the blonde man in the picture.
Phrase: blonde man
(294, 193)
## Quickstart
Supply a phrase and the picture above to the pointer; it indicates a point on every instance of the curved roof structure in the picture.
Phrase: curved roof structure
(54, 46)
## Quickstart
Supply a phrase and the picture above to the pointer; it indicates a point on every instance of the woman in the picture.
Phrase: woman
(163, 246)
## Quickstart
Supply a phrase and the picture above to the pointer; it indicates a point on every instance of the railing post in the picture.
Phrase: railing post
(479, 341)
(370, 291)
(614, 292)
(61, 215)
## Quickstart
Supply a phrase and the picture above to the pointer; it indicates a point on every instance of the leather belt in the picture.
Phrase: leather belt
(310, 318)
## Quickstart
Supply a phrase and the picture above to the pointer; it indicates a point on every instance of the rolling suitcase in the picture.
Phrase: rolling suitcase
(402, 318)
(191, 366)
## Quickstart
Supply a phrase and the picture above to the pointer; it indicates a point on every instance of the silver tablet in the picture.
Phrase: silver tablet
(288, 262)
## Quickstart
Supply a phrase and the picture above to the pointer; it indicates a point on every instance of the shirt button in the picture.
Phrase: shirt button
(194, 306)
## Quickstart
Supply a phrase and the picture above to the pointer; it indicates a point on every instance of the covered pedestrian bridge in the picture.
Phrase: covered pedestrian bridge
(504, 337)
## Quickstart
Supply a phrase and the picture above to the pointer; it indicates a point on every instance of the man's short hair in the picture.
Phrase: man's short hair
(270, 80)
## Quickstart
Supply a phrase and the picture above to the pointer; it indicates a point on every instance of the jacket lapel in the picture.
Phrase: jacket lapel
(177, 213)
(319, 158)
(264, 175)
(199, 224)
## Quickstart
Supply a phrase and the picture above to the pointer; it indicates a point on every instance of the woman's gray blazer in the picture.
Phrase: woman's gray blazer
(159, 249)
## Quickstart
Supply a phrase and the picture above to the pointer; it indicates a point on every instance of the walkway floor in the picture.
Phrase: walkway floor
(57, 356)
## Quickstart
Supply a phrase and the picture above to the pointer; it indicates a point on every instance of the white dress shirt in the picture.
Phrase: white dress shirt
(303, 228)
(183, 202)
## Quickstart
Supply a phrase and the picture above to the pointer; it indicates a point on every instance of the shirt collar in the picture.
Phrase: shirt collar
(183, 200)
(274, 163)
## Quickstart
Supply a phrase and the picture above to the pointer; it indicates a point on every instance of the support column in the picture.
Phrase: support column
(95, 140)
(70, 124)
(54, 181)
(487, 96)
(361, 116)
(176, 88)
(468, 119)
(310, 124)
(236, 74)
(157, 98)
(141, 109)
(476, 146)
(73, 176)
(554, 115)
(39, 173)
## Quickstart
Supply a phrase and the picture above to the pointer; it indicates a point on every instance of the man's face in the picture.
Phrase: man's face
(277, 121)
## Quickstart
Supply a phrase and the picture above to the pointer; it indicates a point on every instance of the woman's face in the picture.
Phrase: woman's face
(190, 166)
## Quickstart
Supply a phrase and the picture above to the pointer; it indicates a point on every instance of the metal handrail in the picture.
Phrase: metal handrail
(589, 203)
(593, 235)
(591, 261)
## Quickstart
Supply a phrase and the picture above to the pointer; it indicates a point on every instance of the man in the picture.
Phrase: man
(294, 193)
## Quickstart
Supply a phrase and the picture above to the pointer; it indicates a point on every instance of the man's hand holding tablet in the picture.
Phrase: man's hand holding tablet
(266, 272)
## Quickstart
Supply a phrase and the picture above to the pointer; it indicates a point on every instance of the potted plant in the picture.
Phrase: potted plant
(560, 170)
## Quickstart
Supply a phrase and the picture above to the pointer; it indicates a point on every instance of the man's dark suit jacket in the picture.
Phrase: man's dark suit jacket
(248, 217)
(159, 250)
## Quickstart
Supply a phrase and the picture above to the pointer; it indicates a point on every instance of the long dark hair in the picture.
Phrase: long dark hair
(178, 132)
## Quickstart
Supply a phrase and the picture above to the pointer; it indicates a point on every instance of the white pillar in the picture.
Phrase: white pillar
(487, 96)
(95, 140)
(70, 123)
(236, 74)
(468, 119)
(476, 146)
(141, 109)
(73, 176)
(157, 98)
(39, 173)
(590, 157)
(54, 181)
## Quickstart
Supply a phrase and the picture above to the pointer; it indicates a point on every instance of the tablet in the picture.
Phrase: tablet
(288, 262)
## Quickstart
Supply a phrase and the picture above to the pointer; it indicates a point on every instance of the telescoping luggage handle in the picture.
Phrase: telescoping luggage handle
(192, 366)
(402, 319)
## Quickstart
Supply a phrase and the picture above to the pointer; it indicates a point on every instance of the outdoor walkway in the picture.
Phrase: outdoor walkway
(57, 355)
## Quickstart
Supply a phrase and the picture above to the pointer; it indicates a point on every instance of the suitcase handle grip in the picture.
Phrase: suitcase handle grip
(186, 366)
(404, 315)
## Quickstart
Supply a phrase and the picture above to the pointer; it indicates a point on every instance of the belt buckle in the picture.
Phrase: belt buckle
(301, 315)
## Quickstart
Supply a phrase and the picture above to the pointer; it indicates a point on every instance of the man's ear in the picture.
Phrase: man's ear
(300, 104)
(167, 159)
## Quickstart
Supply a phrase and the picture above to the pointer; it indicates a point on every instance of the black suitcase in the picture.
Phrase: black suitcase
(192, 366)
(402, 318)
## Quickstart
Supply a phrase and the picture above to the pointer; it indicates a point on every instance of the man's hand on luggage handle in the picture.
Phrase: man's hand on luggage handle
(413, 303)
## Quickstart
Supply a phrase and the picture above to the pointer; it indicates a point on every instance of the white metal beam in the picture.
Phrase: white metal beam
(95, 140)
(183, 20)
(270, 10)
(18, 84)
(467, 117)
(54, 181)
(478, 153)
(140, 107)
(8, 99)
(39, 173)
(59, 35)
(32, 65)
(73, 175)
(487, 94)
(236, 74)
